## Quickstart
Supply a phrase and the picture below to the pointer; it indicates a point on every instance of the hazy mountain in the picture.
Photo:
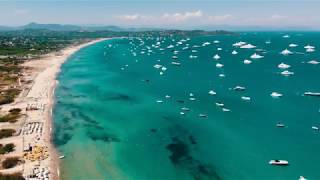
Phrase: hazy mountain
(60, 27)
(52, 27)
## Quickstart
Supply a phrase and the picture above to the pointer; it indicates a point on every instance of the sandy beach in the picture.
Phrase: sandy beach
(34, 128)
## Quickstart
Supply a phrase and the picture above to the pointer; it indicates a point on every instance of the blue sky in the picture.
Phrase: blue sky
(164, 13)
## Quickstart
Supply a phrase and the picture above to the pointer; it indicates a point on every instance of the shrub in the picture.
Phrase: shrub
(10, 162)
(6, 133)
(15, 111)
(6, 148)
(15, 176)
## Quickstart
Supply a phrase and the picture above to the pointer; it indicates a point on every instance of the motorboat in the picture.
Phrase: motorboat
(234, 52)
(315, 128)
(279, 162)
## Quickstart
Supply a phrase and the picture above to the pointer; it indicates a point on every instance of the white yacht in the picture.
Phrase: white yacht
(219, 104)
(248, 46)
(287, 73)
(239, 88)
(313, 62)
(279, 162)
(310, 50)
(185, 109)
(293, 45)
(283, 66)
(276, 95)
(175, 63)
(309, 47)
(216, 57)
(256, 56)
(203, 115)
(280, 125)
(211, 92)
(157, 66)
(234, 52)
(226, 110)
(245, 98)
(170, 46)
(218, 65)
(238, 44)
(312, 94)
(286, 52)
(246, 61)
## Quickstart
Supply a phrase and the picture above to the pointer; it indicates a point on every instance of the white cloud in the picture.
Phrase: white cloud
(182, 16)
(162, 19)
(128, 17)
(277, 17)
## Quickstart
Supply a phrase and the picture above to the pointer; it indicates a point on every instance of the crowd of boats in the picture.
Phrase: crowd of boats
(160, 45)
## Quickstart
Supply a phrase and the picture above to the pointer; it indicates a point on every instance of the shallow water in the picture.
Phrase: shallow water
(109, 125)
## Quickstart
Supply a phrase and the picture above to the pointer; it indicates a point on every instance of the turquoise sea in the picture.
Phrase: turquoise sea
(116, 117)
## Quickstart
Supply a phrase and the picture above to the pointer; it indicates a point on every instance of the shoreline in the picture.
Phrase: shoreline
(42, 73)
(55, 162)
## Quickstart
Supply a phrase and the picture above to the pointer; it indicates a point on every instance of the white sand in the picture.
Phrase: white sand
(43, 72)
